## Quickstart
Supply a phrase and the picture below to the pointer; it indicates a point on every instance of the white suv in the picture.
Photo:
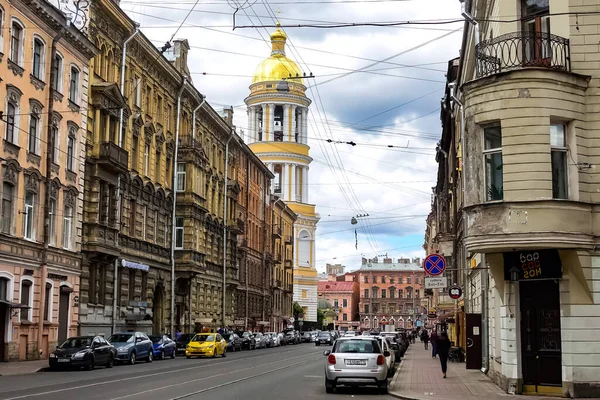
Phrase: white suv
(356, 361)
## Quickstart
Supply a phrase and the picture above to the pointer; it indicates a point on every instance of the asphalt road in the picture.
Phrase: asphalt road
(291, 373)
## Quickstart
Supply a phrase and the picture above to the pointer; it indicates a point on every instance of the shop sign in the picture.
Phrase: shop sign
(532, 265)
(239, 322)
(134, 265)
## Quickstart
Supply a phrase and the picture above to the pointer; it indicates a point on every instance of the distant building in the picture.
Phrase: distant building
(343, 297)
(335, 269)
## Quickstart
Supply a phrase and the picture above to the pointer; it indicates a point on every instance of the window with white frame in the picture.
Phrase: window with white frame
(71, 149)
(58, 72)
(33, 138)
(138, 91)
(17, 36)
(181, 177)
(26, 298)
(1, 30)
(179, 233)
(52, 221)
(56, 144)
(11, 131)
(29, 224)
(558, 154)
(7, 207)
(146, 158)
(38, 59)
(74, 85)
(49, 301)
(144, 221)
(67, 227)
(492, 157)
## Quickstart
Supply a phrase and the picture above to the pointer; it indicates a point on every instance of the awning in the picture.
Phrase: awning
(138, 317)
(10, 304)
(134, 265)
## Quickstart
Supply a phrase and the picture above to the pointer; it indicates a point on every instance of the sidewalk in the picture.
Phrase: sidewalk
(419, 377)
(22, 367)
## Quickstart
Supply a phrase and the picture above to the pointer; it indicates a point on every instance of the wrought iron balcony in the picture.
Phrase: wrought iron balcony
(113, 156)
(237, 227)
(520, 50)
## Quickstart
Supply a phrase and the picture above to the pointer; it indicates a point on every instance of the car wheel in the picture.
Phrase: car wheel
(383, 386)
(150, 357)
(90, 364)
(111, 362)
(132, 358)
(162, 355)
(224, 353)
(317, 344)
(173, 354)
(215, 353)
(329, 386)
(188, 357)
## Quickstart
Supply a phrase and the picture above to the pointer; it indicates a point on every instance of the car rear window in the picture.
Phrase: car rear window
(357, 346)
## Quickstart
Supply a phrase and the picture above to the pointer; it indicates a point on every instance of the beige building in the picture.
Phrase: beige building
(524, 124)
(43, 83)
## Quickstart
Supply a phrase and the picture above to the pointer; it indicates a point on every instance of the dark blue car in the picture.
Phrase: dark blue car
(163, 347)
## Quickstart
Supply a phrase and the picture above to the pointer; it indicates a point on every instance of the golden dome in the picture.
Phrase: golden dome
(277, 66)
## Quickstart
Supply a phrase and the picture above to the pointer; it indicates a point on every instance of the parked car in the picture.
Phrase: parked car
(281, 339)
(313, 335)
(182, 341)
(390, 359)
(395, 343)
(306, 337)
(324, 338)
(163, 346)
(404, 342)
(290, 337)
(83, 352)
(132, 346)
(261, 341)
(234, 342)
(356, 361)
(206, 345)
(270, 340)
(274, 339)
(298, 337)
(248, 341)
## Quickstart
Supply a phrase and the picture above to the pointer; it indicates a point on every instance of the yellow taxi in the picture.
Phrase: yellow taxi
(206, 345)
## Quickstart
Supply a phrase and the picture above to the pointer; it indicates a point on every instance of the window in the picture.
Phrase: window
(144, 221)
(138, 92)
(29, 215)
(417, 293)
(558, 153)
(344, 317)
(374, 279)
(168, 176)
(58, 67)
(48, 303)
(16, 43)
(146, 158)
(148, 100)
(10, 123)
(408, 280)
(55, 142)
(374, 292)
(536, 32)
(73, 88)
(345, 303)
(132, 273)
(366, 293)
(492, 155)
(67, 227)
(383, 279)
(383, 309)
(26, 298)
(33, 133)
(157, 167)
(132, 217)
(304, 293)
(179, 232)
(7, 207)
(134, 152)
(391, 280)
(392, 293)
(336, 304)
(366, 308)
(70, 150)
(383, 293)
(416, 280)
(399, 280)
(52, 222)
(366, 279)
(38, 59)
(181, 177)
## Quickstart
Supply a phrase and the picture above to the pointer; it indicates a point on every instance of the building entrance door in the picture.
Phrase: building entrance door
(63, 313)
(4, 315)
(540, 336)
(474, 347)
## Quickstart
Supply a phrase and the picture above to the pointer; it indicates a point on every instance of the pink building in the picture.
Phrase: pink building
(343, 296)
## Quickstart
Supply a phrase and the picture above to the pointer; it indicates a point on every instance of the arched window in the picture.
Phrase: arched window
(17, 36)
(26, 298)
(35, 125)
(102, 61)
(57, 83)
(49, 303)
(74, 85)
(8, 192)
(12, 114)
(38, 58)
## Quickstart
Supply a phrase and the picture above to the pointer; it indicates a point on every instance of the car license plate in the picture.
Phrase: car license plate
(64, 359)
(356, 362)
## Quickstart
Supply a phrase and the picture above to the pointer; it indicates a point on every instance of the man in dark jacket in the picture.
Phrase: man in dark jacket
(443, 348)
(425, 338)
(433, 339)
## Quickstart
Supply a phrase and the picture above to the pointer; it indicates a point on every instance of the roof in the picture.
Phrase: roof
(390, 267)
(336, 286)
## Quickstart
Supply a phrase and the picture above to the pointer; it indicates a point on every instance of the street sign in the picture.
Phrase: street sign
(434, 264)
(292, 320)
(436, 282)
(300, 323)
(455, 292)
(239, 322)
(300, 316)
(300, 319)
(431, 316)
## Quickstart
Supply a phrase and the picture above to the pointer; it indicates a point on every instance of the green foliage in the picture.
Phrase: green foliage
(297, 309)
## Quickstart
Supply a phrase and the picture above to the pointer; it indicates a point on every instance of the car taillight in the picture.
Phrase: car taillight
(380, 360)
(331, 359)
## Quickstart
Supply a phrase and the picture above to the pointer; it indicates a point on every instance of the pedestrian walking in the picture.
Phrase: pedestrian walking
(177, 334)
(433, 339)
(442, 349)
(425, 337)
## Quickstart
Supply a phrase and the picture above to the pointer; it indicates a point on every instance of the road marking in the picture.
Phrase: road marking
(139, 376)
(313, 376)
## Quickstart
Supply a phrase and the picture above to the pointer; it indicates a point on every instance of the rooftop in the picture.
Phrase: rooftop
(336, 286)
(370, 266)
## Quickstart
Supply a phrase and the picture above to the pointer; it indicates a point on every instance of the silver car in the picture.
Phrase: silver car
(356, 361)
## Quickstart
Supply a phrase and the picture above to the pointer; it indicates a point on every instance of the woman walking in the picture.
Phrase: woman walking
(433, 339)
(425, 338)
(443, 348)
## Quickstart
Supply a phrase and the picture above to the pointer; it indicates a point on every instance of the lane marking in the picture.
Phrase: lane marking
(313, 376)
(136, 377)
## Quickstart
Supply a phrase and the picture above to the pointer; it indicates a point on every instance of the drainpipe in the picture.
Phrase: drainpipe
(116, 272)
(247, 234)
(177, 124)
(49, 152)
(484, 316)
(194, 116)
(225, 224)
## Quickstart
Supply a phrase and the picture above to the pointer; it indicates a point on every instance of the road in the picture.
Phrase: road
(291, 372)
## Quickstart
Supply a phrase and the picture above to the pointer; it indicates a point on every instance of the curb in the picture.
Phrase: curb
(42, 369)
(395, 393)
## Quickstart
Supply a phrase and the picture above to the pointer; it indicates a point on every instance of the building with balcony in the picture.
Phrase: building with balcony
(44, 63)
(520, 129)
(390, 293)
(343, 298)
(334, 269)
(278, 135)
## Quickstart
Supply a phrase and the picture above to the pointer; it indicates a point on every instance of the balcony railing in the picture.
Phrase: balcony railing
(113, 156)
(519, 50)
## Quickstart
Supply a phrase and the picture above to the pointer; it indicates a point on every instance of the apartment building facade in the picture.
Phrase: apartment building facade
(343, 298)
(44, 63)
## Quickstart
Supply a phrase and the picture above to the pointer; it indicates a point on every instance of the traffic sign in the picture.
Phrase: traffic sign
(291, 320)
(455, 292)
(431, 316)
(437, 282)
(434, 264)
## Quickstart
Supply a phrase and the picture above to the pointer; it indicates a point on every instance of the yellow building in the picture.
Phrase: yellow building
(43, 86)
(277, 121)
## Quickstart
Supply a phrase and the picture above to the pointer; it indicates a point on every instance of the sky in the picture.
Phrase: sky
(355, 97)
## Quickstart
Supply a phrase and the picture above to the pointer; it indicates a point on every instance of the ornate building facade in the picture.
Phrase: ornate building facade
(43, 77)
(277, 120)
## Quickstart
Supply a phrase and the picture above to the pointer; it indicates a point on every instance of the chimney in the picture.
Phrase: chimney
(387, 260)
(417, 260)
(364, 261)
(228, 115)
(331, 277)
(374, 260)
(178, 57)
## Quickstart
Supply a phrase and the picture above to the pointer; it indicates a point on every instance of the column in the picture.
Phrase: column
(251, 137)
(265, 123)
(284, 181)
(293, 123)
(305, 184)
(271, 129)
(305, 125)
(271, 167)
(293, 183)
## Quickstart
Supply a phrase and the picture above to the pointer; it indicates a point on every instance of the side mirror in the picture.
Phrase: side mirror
(327, 352)
(386, 353)
(137, 340)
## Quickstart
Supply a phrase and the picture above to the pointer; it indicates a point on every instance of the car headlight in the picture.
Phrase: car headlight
(52, 355)
(122, 350)
(78, 356)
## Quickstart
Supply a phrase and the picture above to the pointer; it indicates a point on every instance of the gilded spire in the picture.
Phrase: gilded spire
(278, 39)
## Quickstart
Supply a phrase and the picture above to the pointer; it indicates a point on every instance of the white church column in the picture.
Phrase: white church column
(284, 181)
(285, 123)
(263, 128)
(305, 184)
(293, 125)
(271, 129)
(251, 136)
(293, 183)
(271, 167)
(305, 125)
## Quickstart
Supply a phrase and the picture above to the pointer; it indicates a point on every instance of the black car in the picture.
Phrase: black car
(248, 341)
(234, 342)
(324, 338)
(182, 341)
(290, 337)
(306, 338)
(83, 352)
(395, 343)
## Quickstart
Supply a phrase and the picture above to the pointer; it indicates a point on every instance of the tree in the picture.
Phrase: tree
(297, 309)
(320, 316)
